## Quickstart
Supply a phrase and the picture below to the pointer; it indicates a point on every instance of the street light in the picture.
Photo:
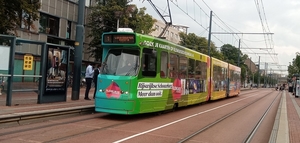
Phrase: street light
(118, 15)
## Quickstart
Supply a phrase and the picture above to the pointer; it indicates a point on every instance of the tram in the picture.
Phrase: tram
(143, 74)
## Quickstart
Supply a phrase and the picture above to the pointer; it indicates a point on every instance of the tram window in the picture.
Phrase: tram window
(232, 75)
(163, 64)
(217, 77)
(183, 65)
(203, 77)
(223, 79)
(203, 70)
(198, 70)
(173, 66)
(191, 69)
(148, 63)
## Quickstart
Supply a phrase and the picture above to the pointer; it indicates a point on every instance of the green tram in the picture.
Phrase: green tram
(143, 74)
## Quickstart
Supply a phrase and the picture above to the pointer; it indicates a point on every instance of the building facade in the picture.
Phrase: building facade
(171, 34)
(57, 25)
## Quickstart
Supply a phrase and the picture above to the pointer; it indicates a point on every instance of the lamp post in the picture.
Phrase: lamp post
(118, 15)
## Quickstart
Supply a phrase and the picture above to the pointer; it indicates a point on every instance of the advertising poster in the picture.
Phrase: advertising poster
(183, 87)
(194, 86)
(4, 57)
(57, 65)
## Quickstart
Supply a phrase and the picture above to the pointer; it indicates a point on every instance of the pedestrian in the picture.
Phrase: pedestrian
(96, 73)
(89, 73)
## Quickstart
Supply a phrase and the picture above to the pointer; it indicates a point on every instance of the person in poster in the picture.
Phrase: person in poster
(191, 83)
(183, 86)
(197, 86)
(187, 86)
(194, 86)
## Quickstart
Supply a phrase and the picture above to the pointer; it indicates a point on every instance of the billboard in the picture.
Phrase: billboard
(4, 57)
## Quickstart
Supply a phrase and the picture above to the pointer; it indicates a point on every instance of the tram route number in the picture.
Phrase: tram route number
(124, 38)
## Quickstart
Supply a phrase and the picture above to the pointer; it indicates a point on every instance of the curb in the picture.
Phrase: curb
(16, 117)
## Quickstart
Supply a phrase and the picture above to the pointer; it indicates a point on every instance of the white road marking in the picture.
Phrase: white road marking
(165, 125)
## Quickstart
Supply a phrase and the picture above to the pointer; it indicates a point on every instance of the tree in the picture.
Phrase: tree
(15, 13)
(294, 68)
(104, 16)
(231, 54)
(194, 42)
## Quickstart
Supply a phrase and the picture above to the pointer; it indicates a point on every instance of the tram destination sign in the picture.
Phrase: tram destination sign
(119, 38)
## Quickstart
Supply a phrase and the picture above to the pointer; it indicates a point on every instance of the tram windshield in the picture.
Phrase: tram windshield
(121, 62)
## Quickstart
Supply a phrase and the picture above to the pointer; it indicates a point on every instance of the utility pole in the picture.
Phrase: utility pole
(265, 74)
(251, 73)
(209, 34)
(209, 38)
(258, 75)
(239, 53)
(78, 51)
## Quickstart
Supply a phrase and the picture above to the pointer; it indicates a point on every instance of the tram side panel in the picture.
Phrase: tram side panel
(234, 80)
(218, 79)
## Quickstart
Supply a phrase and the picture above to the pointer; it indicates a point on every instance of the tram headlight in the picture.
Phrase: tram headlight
(124, 92)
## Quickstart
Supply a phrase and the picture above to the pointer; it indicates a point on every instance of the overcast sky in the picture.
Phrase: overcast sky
(241, 16)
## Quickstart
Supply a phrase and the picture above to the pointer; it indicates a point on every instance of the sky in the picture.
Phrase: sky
(266, 28)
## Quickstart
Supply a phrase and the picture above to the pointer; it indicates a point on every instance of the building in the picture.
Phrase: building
(251, 65)
(57, 25)
(171, 34)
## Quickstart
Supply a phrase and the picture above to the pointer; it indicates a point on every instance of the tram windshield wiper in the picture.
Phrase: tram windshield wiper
(130, 70)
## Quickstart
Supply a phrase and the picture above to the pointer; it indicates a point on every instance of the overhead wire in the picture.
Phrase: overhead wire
(221, 25)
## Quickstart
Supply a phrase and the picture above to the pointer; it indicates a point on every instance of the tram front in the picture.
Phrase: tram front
(117, 81)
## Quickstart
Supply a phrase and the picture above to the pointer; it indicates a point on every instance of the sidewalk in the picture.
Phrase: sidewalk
(293, 117)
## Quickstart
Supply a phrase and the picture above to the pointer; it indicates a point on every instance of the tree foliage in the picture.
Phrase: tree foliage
(14, 13)
(104, 17)
(294, 67)
(200, 44)
(231, 54)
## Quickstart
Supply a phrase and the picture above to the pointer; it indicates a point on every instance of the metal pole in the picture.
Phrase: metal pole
(265, 74)
(239, 52)
(210, 64)
(209, 34)
(43, 72)
(78, 51)
(10, 71)
(118, 24)
(250, 70)
(258, 75)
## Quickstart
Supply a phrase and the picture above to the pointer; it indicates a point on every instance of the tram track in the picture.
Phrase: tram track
(249, 137)
(19, 117)
(104, 117)
(252, 133)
